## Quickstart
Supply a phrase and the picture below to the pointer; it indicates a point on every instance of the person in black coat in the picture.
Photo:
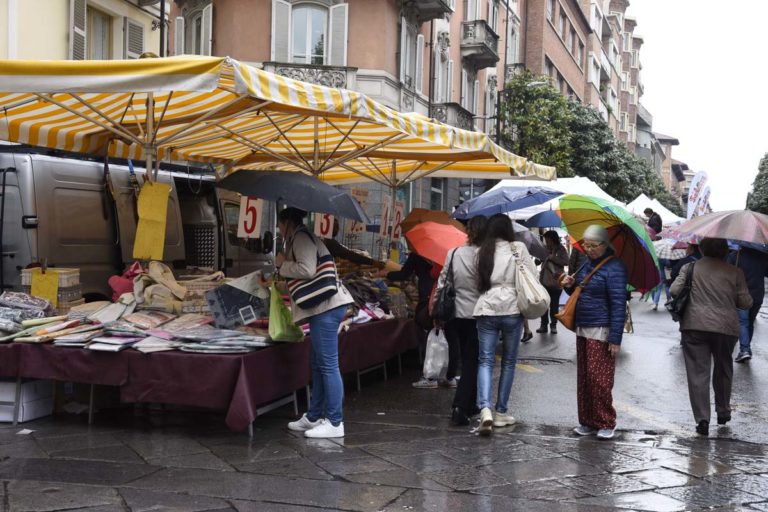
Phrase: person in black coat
(654, 220)
(754, 264)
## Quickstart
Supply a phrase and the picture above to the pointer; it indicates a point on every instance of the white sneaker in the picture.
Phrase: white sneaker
(502, 419)
(583, 430)
(425, 384)
(605, 433)
(303, 424)
(450, 383)
(325, 430)
(486, 422)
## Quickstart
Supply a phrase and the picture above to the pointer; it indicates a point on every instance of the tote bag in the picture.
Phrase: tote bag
(281, 325)
(308, 293)
(532, 297)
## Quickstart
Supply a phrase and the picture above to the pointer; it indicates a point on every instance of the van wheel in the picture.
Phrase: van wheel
(96, 297)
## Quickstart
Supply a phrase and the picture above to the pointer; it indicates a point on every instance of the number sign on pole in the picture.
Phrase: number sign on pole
(399, 214)
(324, 225)
(249, 222)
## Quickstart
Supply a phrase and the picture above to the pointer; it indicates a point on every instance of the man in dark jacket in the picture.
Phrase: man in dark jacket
(754, 264)
(692, 254)
(654, 220)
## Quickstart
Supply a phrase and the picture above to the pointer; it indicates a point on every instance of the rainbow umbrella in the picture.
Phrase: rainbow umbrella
(628, 236)
(433, 241)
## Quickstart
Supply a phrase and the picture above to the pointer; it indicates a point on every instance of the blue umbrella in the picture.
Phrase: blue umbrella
(547, 219)
(295, 189)
(505, 199)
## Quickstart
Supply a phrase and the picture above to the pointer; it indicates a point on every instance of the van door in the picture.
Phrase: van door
(18, 242)
(173, 253)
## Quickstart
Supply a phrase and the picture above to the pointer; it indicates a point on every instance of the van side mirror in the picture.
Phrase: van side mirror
(267, 242)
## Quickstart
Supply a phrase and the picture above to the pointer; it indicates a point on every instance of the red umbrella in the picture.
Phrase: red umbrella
(433, 241)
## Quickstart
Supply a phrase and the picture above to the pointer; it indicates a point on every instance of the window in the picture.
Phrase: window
(436, 194)
(551, 10)
(193, 31)
(561, 25)
(624, 81)
(469, 90)
(580, 54)
(548, 67)
(624, 121)
(635, 59)
(627, 41)
(309, 33)
(594, 70)
(514, 43)
(572, 42)
(443, 68)
(597, 20)
(99, 38)
(411, 56)
(471, 10)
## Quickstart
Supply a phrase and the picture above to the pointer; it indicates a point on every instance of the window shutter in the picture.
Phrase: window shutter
(439, 79)
(77, 29)
(403, 49)
(453, 5)
(281, 31)
(449, 84)
(206, 45)
(419, 62)
(337, 35)
(477, 10)
(178, 35)
(133, 45)
(463, 93)
(471, 10)
(476, 97)
(489, 18)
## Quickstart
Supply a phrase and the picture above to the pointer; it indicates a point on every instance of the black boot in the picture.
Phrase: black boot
(723, 419)
(459, 417)
(553, 328)
(703, 428)
(543, 329)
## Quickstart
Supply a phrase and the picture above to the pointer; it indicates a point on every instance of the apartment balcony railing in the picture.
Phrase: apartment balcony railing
(330, 76)
(431, 9)
(479, 44)
(512, 70)
(453, 114)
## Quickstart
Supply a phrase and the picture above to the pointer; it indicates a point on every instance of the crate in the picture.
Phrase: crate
(64, 307)
(68, 294)
(68, 277)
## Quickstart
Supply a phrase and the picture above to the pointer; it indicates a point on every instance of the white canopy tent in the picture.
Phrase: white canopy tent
(642, 202)
(576, 185)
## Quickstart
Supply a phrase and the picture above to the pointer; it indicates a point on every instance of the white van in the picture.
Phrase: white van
(59, 210)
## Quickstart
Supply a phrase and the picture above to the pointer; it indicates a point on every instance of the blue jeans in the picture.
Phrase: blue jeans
(327, 386)
(663, 284)
(488, 330)
(745, 336)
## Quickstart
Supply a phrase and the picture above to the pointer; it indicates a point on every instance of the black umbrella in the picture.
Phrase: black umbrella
(295, 189)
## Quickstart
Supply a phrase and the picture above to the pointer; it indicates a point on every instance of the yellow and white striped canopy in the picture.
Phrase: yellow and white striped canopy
(221, 111)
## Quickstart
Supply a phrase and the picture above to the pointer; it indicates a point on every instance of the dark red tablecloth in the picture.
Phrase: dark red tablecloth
(237, 383)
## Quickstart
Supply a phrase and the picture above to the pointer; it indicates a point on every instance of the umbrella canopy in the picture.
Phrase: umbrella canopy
(547, 219)
(295, 189)
(531, 241)
(433, 241)
(628, 237)
(505, 199)
(665, 249)
(219, 110)
(420, 215)
(738, 225)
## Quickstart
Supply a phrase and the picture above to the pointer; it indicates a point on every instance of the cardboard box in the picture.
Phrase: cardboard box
(28, 411)
(31, 390)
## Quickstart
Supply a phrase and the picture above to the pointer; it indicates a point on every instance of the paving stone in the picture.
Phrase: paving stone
(74, 471)
(423, 463)
(205, 460)
(106, 453)
(250, 486)
(746, 463)
(645, 500)
(752, 484)
(43, 496)
(53, 445)
(139, 500)
(597, 485)
(394, 449)
(612, 461)
(663, 478)
(323, 449)
(698, 466)
(367, 464)
(241, 454)
(510, 453)
(526, 471)
(26, 449)
(759, 506)
(162, 445)
(260, 506)
(462, 478)
(548, 490)
(106, 508)
(298, 468)
(709, 495)
(399, 477)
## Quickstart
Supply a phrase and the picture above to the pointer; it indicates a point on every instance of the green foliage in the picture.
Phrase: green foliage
(540, 124)
(758, 198)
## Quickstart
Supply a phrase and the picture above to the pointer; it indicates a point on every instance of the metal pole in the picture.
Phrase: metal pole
(162, 28)
(149, 136)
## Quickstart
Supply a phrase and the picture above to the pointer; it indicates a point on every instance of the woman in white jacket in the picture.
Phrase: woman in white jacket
(497, 314)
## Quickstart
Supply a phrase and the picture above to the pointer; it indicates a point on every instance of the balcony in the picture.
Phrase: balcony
(431, 9)
(603, 109)
(513, 70)
(605, 66)
(453, 114)
(329, 76)
(479, 44)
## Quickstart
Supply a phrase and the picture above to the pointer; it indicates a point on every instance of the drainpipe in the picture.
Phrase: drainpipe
(431, 67)
(162, 28)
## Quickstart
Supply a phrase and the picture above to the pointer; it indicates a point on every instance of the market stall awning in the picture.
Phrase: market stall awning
(221, 111)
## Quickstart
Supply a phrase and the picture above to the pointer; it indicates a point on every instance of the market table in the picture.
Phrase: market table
(237, 383)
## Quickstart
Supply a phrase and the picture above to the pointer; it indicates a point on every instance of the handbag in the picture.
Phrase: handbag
(532, 298)
(444, 306)
(676, 306)
(281, 325)
(308, 293)
(567, 315)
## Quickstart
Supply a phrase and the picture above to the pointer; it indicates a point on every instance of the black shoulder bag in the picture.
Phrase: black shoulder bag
(444, 307)
(676, 306)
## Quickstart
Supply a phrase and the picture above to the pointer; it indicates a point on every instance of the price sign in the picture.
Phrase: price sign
(399, 215)
(386, 213)
(249, 222)
(324, 225)
(354, 227)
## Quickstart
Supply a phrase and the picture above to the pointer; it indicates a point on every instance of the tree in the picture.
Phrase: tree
(535, 117)
(758, 198)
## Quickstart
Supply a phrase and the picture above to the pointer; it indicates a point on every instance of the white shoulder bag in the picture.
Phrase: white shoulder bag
(532, 297)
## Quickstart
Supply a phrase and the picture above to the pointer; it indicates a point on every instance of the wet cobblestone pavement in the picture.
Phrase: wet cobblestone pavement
(173, 461)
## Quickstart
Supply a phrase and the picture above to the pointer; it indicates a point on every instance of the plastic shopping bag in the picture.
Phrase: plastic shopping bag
(436, 358)
(281, 326)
